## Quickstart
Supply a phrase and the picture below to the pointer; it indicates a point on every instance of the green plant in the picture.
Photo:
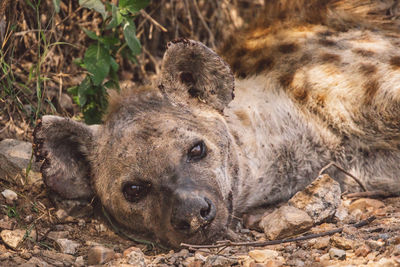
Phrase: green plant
(99, 59)
(12, 212)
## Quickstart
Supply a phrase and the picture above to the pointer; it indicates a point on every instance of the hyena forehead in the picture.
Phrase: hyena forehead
(146, 113)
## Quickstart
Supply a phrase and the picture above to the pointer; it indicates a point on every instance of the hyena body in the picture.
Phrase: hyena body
(176, 162)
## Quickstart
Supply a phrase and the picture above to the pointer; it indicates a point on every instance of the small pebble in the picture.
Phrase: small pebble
(99, 255)
(79, 262)
(263, 255)
(335, 253)
(67, 246)
(10, 196)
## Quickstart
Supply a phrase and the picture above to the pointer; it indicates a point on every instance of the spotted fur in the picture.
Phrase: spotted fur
(316, 82)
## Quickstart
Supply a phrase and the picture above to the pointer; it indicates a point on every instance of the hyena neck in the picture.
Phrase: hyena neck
(279, 150)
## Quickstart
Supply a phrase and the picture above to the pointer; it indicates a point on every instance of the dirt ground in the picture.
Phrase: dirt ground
(44, 227)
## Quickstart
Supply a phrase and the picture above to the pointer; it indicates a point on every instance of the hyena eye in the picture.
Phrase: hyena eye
(135, 192)
(197, 152)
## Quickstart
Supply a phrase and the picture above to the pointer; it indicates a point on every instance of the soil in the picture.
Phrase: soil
(376, 244)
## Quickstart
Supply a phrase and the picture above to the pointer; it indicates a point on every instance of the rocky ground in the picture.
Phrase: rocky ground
(35, 233)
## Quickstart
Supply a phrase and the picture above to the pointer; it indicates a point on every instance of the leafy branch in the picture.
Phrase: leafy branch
(100, 57)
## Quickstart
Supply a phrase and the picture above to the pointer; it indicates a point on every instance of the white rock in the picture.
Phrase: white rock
(13, 238)
(100, 255)
(54, 235)
(285, 221)
(9, 195)
(320, 199)
(79, 262)
(335, 253)
(67, 246)
(61, 214)
(262, 255)
(34, 261)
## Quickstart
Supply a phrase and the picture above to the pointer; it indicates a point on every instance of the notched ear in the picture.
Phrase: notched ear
(63, 146)
(190, 70)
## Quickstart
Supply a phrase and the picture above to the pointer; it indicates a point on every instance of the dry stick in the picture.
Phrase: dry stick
(371, 194)
(229, 243)
(145, 14)
(344, 171)
(204, 24)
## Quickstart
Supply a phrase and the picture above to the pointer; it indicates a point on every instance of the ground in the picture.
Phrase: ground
(36, 231)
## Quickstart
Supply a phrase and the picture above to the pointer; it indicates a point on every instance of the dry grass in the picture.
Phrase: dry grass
(38, 48)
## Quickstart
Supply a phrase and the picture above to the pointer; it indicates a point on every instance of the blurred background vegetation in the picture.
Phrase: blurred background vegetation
(62, 56)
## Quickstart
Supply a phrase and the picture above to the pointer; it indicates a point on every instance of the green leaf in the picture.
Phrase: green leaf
(92, 115)
(116, 18)
(97, 61)
(96, 5)
(114, 64)
(83, 89)
(109, 41)
(133, 5)
(92, 35)
(73, 90)
(79, 62)
(130, 37)
(56, 4)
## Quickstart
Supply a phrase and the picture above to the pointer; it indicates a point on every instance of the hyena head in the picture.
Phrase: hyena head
(162, 163)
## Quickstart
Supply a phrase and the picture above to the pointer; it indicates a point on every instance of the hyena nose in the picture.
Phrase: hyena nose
(190, 212)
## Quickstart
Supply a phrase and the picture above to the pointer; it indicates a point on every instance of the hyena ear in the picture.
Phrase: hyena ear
(63, 146)
(190, 70)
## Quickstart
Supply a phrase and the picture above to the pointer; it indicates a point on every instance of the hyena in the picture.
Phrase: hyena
(316, 82)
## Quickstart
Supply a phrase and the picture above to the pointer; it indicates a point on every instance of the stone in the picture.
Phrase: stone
(7, 223)
(67, 246)
(54, 235)
(341, 213)
(13, 238)
(15, 157)
(321, 242)
(18, 153)
(61, 214)
(362, 251)
(34, 261)
(219, 261)
(262, 255)
(25, 255)
(198, 255)
(366, 205)
(338, 254)
(320, 199)
(386, 262)
(285, 221)
(182, 253)
(10, 196)
(134, 256)
(341, 242)
(100, 228)
(375, 244)
(79, 262)
(396, 250)
(28, 219)
(58, 259)
(276, 263)
(100, 255)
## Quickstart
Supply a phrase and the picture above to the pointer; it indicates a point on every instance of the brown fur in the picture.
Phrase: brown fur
(179, 161)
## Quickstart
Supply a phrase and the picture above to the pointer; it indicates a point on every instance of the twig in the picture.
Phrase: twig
(344, 171)
(144, 13)
(371, 194)
(204, 24)
(229, 243)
